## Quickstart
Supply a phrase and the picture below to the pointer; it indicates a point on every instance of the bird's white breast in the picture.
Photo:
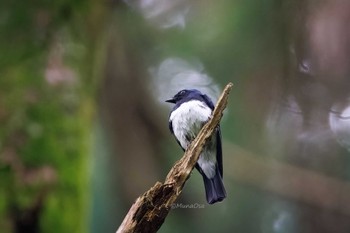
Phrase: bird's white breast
(188, 119)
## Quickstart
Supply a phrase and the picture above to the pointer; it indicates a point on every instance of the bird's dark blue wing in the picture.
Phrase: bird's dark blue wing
(208, 101)
(219, 150)
(171, 127)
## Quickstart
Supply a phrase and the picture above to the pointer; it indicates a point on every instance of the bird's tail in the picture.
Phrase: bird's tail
(214, 188)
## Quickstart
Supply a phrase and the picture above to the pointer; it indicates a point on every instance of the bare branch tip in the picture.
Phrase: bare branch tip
(229, 86)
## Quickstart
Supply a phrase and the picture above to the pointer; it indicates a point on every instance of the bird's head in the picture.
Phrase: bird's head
(184, 95)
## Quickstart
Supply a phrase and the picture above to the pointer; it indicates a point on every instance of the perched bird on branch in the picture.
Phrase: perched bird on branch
(191, 111)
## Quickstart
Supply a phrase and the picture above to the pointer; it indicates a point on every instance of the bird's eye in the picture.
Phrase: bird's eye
(182, 92)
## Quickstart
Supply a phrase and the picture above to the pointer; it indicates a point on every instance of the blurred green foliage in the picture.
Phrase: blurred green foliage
(44, 135)
(26, 28)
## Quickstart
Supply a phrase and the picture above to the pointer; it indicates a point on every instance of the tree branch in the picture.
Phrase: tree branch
(149, 211)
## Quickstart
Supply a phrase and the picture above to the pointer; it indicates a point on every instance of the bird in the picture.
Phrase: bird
(191, 111)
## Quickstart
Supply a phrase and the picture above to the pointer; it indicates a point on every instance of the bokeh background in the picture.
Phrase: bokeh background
(84, 127)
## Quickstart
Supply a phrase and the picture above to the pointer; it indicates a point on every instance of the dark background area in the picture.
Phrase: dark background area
(84, 127)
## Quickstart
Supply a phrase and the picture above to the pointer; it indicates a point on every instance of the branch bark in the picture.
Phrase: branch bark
(149, 211)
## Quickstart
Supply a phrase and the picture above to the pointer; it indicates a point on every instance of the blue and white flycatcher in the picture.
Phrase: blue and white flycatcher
(191, 111)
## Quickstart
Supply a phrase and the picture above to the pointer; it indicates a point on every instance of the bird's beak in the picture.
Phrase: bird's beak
(171, 101)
